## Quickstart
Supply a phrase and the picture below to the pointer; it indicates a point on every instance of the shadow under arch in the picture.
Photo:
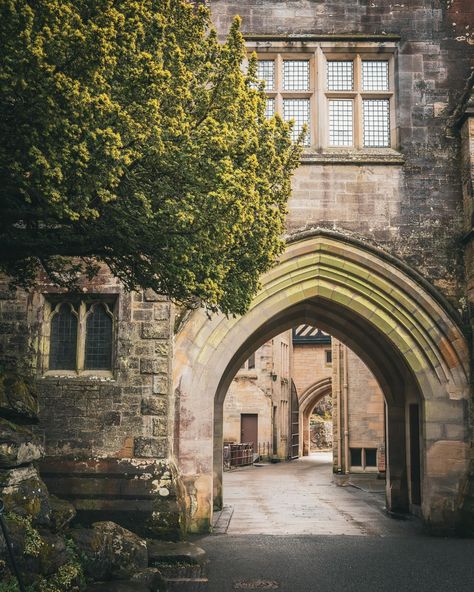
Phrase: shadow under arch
(308, 399)
(387, 314)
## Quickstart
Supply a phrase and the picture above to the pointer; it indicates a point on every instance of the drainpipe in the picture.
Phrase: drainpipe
(346, 409)
(338, 404)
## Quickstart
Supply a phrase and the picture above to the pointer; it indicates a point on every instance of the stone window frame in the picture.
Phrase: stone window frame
(363, 467)
(328, 357)
(52, 304)
(319, 52)
(279, 94)
(357, 95)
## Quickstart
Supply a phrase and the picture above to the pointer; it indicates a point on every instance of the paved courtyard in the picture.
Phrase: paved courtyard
(293, 530)
(300, 497)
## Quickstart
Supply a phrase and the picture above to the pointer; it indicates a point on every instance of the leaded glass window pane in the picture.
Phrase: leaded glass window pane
(63, 339)
(266, 73)
(374, 75)
(340, 122)
(270, 108)
(340, 75)
(376, 123)
(296, 75)
(298, 110)
(98, 352)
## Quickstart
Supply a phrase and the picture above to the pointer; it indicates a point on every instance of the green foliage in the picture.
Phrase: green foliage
(133, 137)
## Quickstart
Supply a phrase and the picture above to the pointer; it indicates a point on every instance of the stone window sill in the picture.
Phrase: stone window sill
(86, 375)
(341, 156)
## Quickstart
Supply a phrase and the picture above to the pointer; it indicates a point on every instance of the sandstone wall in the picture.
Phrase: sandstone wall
(412, 204)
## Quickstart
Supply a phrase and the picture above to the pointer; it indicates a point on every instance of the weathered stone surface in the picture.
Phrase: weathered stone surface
(170, 552)
(150, 577)
(18, 398)
(155, 365)
(320, 433)
(62, 512)
(127, 586)
(18, 445)
(24, 493)
(52, 553)
(160, 385)
(110, 551)
(150, 447)
(154, 406)
(155, 330)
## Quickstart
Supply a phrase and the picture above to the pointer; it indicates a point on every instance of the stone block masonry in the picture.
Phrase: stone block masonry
(104, 434)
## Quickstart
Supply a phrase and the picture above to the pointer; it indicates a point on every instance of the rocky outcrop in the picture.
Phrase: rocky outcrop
(110, 551)
(49, 553)
(24, 493)
(18, 398)
(18, 445)
(320, 433)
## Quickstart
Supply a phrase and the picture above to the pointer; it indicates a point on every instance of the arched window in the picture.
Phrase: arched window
(63, 338)
(98, 350)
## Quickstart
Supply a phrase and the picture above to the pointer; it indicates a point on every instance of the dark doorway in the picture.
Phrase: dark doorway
(249, 429)
(415, 469)
(294, 424)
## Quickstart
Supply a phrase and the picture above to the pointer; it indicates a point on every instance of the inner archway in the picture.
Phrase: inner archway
(308, 400)
(388, 315)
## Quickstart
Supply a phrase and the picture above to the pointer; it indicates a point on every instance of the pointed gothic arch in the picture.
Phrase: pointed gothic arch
(308, 399)
(387, 314)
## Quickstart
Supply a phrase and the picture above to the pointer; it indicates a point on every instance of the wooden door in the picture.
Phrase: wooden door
(249, 429)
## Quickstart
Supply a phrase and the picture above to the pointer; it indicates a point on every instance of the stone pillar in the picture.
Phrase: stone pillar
(467, 177)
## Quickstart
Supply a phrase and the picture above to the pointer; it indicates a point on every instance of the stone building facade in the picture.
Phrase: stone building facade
(262, 389)
(376, 233)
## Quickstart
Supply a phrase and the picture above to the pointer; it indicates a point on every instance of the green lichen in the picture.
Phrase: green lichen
(68, 578)
(33, 542)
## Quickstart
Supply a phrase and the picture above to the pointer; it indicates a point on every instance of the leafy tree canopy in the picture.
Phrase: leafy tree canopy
(131, 136)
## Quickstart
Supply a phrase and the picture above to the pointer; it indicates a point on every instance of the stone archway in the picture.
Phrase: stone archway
(308, 399)
(387, 314)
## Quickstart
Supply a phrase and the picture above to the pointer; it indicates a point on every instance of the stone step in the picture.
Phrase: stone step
(187, 585)
(183, 565)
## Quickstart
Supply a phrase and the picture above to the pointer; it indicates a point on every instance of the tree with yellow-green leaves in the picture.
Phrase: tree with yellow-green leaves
(131, 136)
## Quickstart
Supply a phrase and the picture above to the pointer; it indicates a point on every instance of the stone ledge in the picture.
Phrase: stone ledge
(387, 157)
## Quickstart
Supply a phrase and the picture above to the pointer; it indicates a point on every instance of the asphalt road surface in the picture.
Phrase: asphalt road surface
(339, 563)
(288, 527)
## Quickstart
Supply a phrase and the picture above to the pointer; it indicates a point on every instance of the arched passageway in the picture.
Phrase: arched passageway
(308, 399)
(388, 315)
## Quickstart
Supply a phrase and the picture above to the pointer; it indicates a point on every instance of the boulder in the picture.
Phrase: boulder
(151, 577)
(53, 553)
(24, 493)
(110, 551)
(18, 398)
(18, 445)
(26, 546)
(62, 512)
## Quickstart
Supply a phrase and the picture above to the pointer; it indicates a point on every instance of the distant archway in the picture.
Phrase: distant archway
(388, 315)
(308, 399)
